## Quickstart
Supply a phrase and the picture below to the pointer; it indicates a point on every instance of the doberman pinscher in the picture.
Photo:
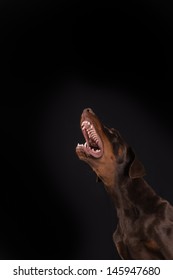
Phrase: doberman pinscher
(145, 220)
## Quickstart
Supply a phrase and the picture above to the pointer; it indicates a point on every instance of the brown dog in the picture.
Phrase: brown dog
(145, 228)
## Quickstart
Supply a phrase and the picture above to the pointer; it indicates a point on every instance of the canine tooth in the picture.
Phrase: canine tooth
(84, 123)
(85, 144)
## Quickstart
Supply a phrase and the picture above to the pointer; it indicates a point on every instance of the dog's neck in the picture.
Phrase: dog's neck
(123, 204)
(118, 195)
(133, 196)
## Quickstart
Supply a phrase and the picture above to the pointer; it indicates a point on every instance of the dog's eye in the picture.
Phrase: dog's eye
(113, 131)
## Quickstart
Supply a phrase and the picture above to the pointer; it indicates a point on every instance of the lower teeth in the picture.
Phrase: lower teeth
(85, 145)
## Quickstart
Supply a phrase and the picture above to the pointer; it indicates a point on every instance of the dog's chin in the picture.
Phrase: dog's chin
(92, 161)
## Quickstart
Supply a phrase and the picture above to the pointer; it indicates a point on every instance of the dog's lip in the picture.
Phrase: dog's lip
(93, 145)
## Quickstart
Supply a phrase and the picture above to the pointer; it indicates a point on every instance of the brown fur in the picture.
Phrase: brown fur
(145, 227)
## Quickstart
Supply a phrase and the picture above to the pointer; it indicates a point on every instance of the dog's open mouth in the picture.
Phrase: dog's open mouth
(93, 145)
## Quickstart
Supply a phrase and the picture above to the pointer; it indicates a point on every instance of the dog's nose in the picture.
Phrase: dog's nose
(88, 110)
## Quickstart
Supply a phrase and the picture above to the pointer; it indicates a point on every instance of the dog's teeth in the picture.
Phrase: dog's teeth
(85, 144)
(93, 135)
(90, 128)
(86, 124)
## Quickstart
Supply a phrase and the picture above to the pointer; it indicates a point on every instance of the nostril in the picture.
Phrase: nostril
(89, 110)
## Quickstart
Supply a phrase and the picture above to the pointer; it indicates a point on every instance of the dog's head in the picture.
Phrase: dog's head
(106, 151)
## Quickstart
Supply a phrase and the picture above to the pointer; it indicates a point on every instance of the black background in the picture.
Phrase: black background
(56, 59)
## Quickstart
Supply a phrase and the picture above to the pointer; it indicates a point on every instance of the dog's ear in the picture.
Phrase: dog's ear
(136, 169)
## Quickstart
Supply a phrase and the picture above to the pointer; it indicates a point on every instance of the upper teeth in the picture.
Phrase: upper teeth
(90, 130)
(85, 124)
(89, 127)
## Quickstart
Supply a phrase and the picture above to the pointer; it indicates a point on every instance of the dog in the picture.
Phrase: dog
(145, 220)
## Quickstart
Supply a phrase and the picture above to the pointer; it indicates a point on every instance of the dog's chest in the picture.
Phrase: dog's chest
(134, 226)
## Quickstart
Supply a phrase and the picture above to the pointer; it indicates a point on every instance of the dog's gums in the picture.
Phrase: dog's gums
(93, 145)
